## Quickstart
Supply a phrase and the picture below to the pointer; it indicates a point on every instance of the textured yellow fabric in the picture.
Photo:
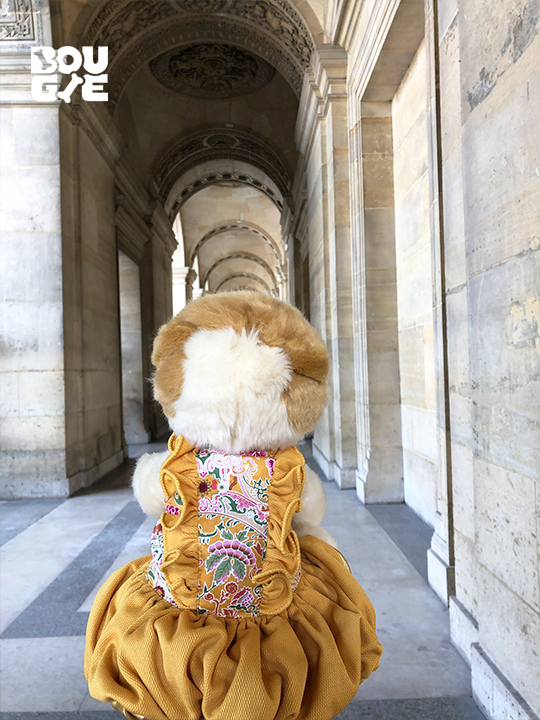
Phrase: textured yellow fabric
(304, 658)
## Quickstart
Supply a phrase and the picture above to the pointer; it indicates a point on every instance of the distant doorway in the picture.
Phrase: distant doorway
(135, 432)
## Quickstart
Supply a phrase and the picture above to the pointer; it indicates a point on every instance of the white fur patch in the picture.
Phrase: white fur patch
(308, 520)
(232, 393)
(146, 483)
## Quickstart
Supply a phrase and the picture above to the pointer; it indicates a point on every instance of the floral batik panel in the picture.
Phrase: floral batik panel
(233, 528)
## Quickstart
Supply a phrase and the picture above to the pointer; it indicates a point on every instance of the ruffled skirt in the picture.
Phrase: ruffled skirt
(170, 664)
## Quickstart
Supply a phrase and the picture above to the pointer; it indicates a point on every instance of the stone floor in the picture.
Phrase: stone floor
(56, 553)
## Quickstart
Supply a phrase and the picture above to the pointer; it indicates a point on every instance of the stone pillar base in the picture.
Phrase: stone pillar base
(494, 694)
(441, 576)
(326, 465)
(463, 628)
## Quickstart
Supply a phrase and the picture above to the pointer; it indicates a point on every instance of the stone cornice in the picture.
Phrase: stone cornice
(325, 81)
(100, 128)
(343, 25)
(128, 185)
(373, 37)
(134, 232)
(162, 229)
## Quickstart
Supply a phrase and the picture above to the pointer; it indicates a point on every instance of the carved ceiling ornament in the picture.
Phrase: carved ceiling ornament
(133, 29)
(211, 70)
(216, 178)
(228, 228)
(215, 144)
(16, 20)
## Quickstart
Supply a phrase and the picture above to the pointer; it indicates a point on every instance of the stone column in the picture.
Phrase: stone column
(441, 554)
(132, 370)
(164, 244)
(380, 453)
(32, 400)
(191, 276)
(327, 78)
(179, 289)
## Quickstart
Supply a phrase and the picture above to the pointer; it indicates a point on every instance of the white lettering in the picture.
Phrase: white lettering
(72, 84)
(100, 66)
(44, 88)
(68, 52)
(38, 56)
(93, 88)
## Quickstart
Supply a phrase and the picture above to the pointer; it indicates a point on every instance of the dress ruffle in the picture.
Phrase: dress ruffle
(166, 663)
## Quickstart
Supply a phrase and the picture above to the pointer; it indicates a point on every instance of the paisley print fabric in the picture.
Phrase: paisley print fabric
(232, 533)
(233, 528)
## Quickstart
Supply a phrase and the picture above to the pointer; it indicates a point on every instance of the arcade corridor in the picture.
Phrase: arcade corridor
(375, 164)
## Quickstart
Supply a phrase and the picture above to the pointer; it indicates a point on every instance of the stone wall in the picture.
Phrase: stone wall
(131, 341)
(461, 234)
(414, 290)
(32, 403)
(496, 307)
(91, 310)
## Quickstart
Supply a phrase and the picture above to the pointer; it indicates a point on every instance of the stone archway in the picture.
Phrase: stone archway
(214, 144)
(247, 275)
(235, 227)
(241, 256)
(272, 29)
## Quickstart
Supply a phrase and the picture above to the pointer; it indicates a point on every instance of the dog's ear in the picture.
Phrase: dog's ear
(305, 400)
(167, 357)
(170, 339)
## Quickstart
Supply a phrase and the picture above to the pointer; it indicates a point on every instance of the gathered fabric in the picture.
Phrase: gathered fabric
(232, 617)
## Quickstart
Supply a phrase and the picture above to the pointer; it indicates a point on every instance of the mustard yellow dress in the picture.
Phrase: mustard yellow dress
(232, 617)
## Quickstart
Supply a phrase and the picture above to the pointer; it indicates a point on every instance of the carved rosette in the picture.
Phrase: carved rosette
(211, 70)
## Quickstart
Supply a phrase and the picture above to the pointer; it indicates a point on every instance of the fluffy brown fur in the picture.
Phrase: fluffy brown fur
(279, 325)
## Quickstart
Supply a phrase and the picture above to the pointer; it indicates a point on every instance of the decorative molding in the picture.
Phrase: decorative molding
(246, 275)
(228, 228)
(214, 178)
(16, 21)
(325, 81)
(133, 29)
(162, 227)
(214, 144)
(241, 256)
(211, 70)
(132, 231)
(379, 23)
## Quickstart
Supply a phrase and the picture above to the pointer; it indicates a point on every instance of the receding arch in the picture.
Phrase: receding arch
(214, 178)
(136, 32)
(236, 276)
(240, 256)
(234, 226)
(218, 143)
